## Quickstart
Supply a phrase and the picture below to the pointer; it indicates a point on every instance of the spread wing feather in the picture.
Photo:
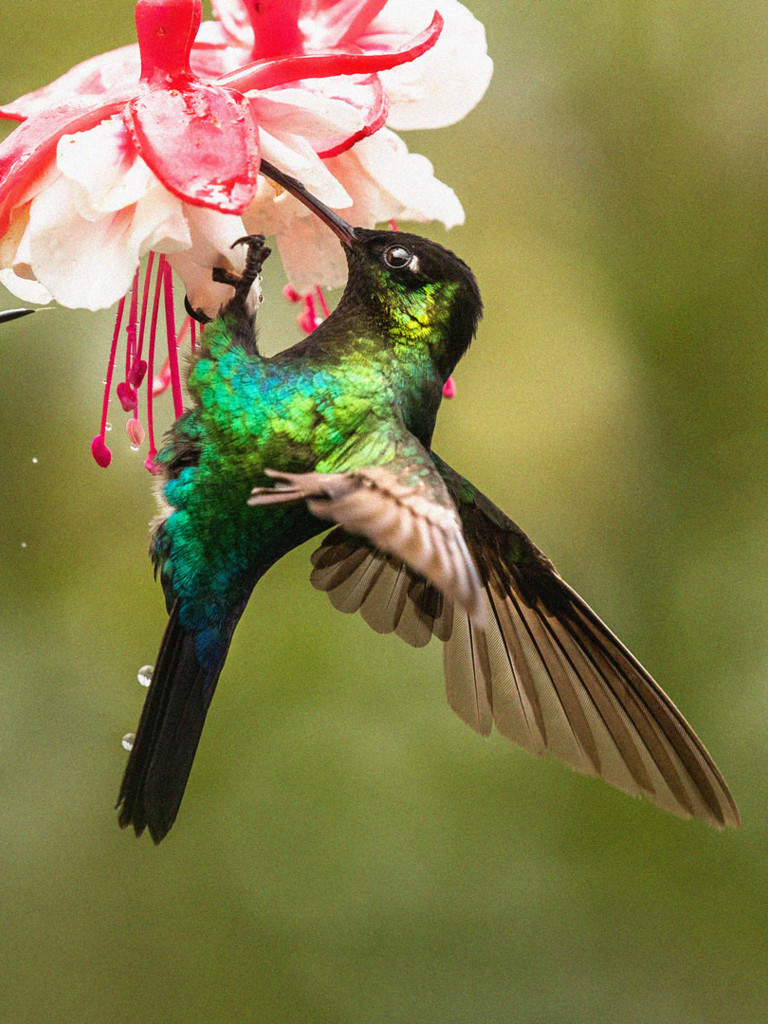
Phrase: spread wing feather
(536, 661)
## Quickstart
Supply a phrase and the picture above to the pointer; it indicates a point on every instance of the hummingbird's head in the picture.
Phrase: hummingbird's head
(418, 292)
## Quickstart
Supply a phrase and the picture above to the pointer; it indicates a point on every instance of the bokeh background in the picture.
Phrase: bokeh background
(348, 851)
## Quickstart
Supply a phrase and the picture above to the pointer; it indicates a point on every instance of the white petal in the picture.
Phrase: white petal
(270, 212)
(446, 82)
(11, 240)
(27, 291)
(295, 156)
(90, 263)
(84, 264)
(317, 113)
(158, 222)
(104, 163)
(212, 235)
(311, 255)
(200, 288)
(387, 182)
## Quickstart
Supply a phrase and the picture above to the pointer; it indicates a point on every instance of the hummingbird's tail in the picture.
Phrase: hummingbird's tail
(169, 731)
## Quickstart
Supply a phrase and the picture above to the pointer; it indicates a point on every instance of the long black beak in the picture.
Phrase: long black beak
(13, 314)
(341, 228)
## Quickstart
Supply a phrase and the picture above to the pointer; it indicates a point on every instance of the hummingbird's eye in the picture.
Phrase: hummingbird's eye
(397, 257)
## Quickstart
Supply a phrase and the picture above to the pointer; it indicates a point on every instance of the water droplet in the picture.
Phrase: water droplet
(145, 674)
(107, 426)
(128, 739)
(23, 543)
(34, 461)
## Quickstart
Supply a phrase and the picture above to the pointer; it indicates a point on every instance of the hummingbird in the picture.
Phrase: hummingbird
(336, 431)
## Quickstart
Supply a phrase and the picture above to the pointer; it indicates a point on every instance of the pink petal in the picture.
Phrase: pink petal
(166, 30)
(265, 74)
(115, 71)
(335, 22)
(28, 150)
(200, 141)
(276, 27)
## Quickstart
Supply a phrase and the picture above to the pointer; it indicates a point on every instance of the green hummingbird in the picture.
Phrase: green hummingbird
(337, 430)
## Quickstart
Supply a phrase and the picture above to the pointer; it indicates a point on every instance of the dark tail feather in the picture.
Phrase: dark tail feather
(169, 730)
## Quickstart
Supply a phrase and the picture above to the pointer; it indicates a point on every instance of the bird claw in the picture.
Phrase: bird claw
(254, 261)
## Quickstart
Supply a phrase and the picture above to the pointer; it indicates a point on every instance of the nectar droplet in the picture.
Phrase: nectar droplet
(145, 674)
(128, 739)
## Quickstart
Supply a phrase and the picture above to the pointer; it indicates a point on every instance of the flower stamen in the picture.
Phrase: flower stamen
(309, 318)
(162, 379)
(149, 462)
(170, 328)
(99, 449)
(136, 367)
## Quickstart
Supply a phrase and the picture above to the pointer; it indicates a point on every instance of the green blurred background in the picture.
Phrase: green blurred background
(348, 851)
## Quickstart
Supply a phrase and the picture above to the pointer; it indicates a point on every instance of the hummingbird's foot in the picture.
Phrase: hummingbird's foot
(254, 261)
(257, 254)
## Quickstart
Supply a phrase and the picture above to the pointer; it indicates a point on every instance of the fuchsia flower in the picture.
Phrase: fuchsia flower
(156, 148)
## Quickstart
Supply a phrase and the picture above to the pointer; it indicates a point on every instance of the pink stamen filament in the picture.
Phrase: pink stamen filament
(149, 461)
(133, 316)
(323, 303)
(170, 327)
(161, 381)
(99, 449)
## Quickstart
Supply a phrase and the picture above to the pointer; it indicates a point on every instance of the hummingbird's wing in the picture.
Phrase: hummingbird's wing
(544, 668)
(402, 509)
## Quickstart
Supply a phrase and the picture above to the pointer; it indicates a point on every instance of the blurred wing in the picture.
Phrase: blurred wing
(403, 510)
(543, 667)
